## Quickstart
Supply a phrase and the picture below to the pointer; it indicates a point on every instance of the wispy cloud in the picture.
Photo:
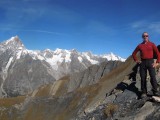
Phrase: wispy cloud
(25, 12)
(100, 28)
(155, 27)
(143, 25)
(139, 24)
(20, 14)
(43, 31)
(32, 30)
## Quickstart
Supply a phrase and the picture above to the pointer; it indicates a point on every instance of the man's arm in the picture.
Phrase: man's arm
(156, 62)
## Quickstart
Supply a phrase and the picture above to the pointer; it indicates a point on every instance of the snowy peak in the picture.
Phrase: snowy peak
(13, 43)
(60, 61)
(13, 40)
(15, 48)
(113, 57)
(61, 51)
(58, 56)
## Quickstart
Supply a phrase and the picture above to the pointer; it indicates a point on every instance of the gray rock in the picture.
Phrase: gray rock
(145, 111)
(25, 76)
(126, 96)
(91, 75)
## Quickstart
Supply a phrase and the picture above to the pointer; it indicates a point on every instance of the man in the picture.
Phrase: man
(146, 49)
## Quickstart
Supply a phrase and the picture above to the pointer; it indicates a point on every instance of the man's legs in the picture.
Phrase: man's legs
(152, 74)
(143, 74)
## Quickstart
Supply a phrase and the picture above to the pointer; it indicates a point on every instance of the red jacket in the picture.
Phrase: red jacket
(146, 51)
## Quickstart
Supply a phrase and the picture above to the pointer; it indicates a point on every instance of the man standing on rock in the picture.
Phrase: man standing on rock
(146, 49)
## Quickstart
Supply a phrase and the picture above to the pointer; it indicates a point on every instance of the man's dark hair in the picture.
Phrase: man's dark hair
(143, 33)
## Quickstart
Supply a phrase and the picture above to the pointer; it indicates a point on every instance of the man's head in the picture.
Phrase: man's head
(145, 36)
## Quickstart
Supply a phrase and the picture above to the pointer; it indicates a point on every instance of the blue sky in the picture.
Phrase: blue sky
(99, 26)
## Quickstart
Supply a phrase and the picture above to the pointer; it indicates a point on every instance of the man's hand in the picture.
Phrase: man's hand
(155, 64)
(139, 62)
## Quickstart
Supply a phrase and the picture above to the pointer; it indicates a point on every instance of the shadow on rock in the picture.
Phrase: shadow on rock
(133, 74)
(122, 86)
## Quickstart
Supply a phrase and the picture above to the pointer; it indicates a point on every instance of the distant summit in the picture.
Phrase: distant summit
(113, 57)
(13, 42)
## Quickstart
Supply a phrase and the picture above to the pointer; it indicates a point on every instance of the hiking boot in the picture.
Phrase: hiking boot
(156, 93)
(144, 95)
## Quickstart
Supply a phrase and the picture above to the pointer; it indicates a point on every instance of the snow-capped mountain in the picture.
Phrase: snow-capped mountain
(57, 57)
(23, 70)
(113, 57)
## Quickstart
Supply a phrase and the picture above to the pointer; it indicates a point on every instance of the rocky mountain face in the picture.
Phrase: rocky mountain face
(124, 102)
(19, 72)
(98, 94)
(22, 71)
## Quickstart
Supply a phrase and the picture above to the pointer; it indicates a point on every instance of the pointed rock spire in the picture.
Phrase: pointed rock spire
(13, 42)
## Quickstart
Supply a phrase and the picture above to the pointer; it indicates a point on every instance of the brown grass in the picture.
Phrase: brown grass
(43, 91)
(35, 114)
(8, 102)
(6, 105)
(63, 86)
(110, 109)
(91, 91)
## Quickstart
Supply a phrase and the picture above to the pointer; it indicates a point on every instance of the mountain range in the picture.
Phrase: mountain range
(23, 70)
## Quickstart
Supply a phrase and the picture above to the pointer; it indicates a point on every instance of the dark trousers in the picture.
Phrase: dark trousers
(144, 66)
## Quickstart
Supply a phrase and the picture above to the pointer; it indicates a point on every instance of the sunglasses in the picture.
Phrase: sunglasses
(145, 36)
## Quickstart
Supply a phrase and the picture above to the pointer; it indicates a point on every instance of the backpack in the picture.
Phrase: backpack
(154, 54)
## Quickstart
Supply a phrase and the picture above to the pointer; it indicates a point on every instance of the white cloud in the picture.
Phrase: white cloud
(32, 30)
(141, 26)
(138, 24)
(20, 14)
(25, 12)
(155, 27)
(99, 27)
(44, 31)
